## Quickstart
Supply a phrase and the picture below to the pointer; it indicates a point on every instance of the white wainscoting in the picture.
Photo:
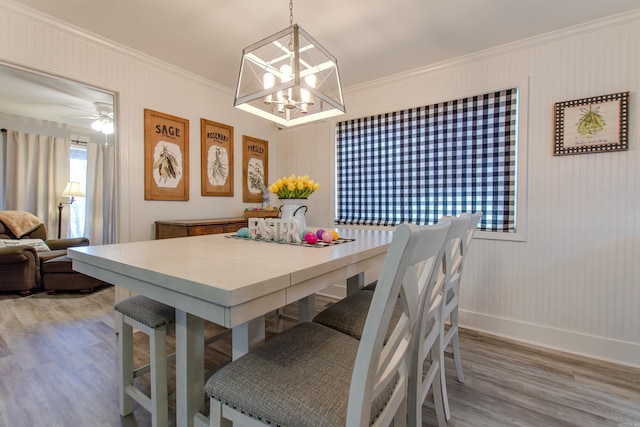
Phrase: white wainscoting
(574, 283)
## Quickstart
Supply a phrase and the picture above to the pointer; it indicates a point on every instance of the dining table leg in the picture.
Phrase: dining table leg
(189, 367)
(307, 308)
(355, 283)
(247, 336)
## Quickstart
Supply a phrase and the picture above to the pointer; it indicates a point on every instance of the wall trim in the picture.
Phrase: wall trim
(86, 36)
(608, 350)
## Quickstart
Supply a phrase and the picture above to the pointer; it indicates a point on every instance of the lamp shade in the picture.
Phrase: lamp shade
(73, 189)
(290, 79)
(104, 125)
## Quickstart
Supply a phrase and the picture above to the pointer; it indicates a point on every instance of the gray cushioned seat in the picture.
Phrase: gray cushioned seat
(349, 314)
(371, 286)
(147, 311)
(298, 378)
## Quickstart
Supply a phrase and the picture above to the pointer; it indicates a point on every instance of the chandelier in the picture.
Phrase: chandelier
(289, 78)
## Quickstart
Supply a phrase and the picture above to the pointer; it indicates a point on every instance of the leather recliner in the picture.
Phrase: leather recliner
(22, 268)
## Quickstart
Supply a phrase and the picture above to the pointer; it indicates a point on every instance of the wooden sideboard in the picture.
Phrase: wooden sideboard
(198, 227)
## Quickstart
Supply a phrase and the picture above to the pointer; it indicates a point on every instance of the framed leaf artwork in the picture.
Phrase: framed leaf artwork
(216, 172)
(592, 125)
(255, 168)
(166, 157)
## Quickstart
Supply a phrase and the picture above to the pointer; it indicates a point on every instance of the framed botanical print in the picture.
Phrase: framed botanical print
(166, 156)
(216, 173)
(255, 168)
(592, 125)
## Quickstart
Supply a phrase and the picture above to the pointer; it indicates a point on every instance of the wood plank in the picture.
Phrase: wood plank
(59, 367)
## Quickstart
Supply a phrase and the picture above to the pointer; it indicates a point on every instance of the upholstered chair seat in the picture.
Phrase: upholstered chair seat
(296, 385)
(349, 315)
(152, 318)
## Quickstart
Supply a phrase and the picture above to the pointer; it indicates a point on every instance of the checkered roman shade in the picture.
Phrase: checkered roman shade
(419, 164)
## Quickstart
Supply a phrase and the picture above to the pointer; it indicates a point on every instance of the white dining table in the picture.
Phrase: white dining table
(231, 282)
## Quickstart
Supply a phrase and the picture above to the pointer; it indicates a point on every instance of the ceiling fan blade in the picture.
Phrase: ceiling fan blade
(94, 117)
(78, 109)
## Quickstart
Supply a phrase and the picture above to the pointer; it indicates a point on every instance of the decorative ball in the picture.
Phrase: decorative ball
(334, 233)
(319, 233)
(243, 232)
(327, 237)
(304, 233)
(311, 238)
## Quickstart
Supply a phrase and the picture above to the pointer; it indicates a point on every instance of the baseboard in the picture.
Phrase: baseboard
(620, 352)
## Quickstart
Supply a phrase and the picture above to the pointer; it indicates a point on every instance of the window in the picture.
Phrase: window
(419, 164)
(78, 173)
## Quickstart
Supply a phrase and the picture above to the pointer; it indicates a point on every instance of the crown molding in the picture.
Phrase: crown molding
(117, 48)
(527, 43)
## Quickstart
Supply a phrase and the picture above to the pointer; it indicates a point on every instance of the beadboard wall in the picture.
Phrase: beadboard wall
(572, 284)
(37, 42)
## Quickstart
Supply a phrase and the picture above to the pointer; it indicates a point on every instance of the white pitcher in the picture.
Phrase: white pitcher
(294, 209)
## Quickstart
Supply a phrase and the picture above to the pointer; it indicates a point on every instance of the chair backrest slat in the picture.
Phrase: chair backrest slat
(407, 270)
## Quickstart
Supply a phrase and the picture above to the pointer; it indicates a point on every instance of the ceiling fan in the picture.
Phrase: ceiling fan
(102, 119)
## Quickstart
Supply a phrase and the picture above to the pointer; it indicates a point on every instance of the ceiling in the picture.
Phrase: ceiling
(370, 38)
(42, 97)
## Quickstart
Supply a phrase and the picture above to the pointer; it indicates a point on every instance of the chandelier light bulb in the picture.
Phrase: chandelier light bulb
(311, 80)
(285, 73)
(268, 81)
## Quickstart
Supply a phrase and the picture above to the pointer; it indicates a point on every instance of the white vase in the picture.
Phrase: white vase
(295, 209)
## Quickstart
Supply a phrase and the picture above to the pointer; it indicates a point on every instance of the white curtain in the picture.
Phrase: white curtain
(100, 202)
(37, 169)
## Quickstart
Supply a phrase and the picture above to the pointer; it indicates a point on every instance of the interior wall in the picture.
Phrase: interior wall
(573, 284)
(35, 41)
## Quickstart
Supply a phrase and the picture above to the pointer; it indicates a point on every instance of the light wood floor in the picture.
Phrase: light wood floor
(58, 368)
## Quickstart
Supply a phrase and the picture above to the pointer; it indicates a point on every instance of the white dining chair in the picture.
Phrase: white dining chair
(455, 256)
(348, 315)
(313, 375)
(427, 347)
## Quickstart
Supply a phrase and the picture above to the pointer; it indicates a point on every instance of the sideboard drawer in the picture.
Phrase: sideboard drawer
(198, 227)
(199, 230)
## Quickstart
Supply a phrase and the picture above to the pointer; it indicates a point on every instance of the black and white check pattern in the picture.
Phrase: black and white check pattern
(419, 164)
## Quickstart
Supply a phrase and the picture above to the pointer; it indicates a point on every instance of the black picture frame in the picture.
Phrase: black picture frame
(596, 124)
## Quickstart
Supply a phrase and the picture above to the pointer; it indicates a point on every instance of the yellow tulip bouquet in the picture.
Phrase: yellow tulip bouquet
(294, 187)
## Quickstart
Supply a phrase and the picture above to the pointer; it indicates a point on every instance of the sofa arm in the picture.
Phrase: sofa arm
(58, 244)
(17, 254)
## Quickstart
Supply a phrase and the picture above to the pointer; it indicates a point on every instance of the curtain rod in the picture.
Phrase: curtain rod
(3, 130)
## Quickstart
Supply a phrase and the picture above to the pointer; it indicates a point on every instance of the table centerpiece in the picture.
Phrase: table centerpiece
(292, 192)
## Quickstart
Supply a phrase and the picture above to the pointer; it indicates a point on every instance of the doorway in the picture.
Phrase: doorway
(37, 103)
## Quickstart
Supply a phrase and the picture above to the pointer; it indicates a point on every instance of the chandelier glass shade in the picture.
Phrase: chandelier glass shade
(290, 79)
